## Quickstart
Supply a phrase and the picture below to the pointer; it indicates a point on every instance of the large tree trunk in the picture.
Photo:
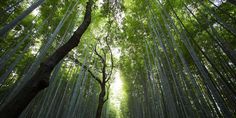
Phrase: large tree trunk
(40, 79)
(13, 23)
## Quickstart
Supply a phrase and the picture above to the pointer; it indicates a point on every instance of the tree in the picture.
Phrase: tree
(40, 79)
(104, 82)
(176, 58)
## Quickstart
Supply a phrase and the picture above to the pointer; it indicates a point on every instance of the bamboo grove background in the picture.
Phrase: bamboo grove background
(178, 57)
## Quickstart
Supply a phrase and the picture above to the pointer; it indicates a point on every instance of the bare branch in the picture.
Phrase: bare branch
(87, 68)
(96, 52)
(112, 63)
(109, 48)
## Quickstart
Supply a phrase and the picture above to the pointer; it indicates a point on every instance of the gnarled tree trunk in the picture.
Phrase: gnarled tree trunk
(40, 80)
(101, 100)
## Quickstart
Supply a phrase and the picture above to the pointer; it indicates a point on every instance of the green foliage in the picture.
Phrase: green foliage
(176, 56)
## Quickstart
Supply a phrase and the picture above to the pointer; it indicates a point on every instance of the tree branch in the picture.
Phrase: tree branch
(40, 79)
(107, 97)
(96, 52)
(87, 68)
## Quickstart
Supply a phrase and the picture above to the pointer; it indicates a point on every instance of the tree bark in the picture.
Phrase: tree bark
(101, 100)
(40, 80)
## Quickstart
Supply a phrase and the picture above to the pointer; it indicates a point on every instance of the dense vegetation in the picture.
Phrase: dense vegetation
(117, 58)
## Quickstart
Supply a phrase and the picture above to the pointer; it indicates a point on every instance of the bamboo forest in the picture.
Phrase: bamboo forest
(117, 58)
